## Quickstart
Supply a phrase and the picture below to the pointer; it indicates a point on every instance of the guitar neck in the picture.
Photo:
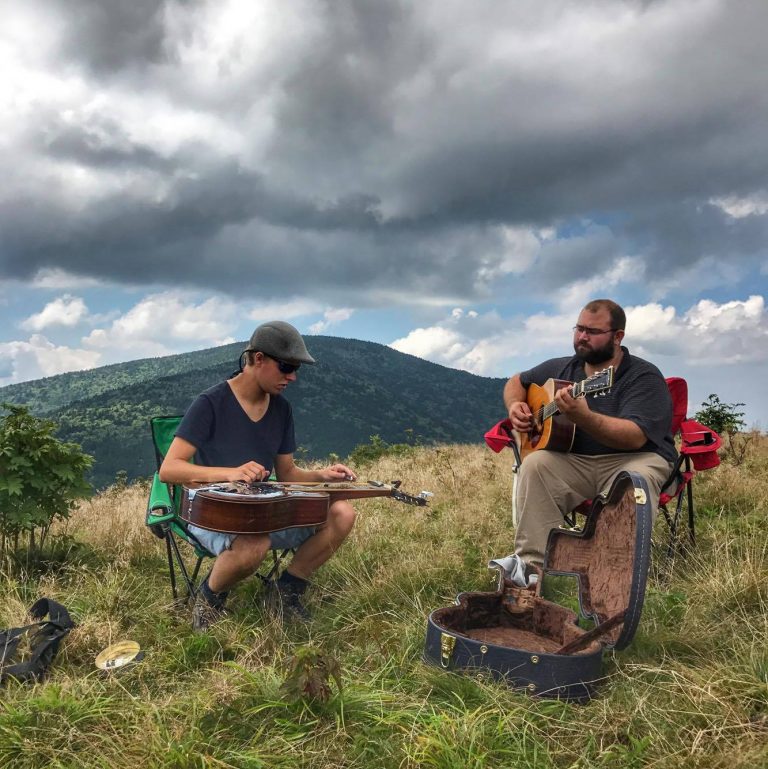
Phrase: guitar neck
(341, 490)
(550, 409)
(351, 490)
(595, 384)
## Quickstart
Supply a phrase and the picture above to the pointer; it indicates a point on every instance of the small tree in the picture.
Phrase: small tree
(724, 419)
(41, 478)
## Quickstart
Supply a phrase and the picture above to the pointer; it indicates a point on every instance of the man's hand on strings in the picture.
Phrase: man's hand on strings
(574, 409)
(250, 472)
(338, 472)
(521, 417)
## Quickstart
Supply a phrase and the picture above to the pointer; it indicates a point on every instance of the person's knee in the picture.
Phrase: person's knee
(250, 552)
(342, 517)
(538, 463)
(535, 473)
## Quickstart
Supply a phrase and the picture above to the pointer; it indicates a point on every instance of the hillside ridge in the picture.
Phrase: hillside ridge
(357, 389)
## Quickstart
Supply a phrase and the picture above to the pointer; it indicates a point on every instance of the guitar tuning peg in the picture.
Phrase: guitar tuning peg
(425, 494)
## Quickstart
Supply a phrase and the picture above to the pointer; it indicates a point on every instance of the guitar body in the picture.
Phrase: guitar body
(237, 508)
(557, 432)
(259, 513)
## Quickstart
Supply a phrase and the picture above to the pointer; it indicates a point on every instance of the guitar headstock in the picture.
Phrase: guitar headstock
(420, 500)
(599, 382)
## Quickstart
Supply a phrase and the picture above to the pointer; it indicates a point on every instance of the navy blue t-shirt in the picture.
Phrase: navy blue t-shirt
(225, 436)
(639, 393)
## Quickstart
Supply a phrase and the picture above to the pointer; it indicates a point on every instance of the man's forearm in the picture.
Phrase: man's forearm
(611, 431)
(300, 475)
(514, 392)
(181, 471)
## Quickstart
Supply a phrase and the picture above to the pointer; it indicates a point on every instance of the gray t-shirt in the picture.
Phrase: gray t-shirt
(225, 436)
(639, 393)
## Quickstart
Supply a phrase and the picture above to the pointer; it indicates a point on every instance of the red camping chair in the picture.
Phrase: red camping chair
(698, 451)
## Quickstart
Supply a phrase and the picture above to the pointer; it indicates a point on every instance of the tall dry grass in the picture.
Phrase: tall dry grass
(691, 691)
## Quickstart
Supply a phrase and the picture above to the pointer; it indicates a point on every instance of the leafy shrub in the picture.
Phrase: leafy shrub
(724, 419)
(367, 453)
(41, 478)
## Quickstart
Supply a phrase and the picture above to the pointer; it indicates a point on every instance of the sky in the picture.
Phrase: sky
(452, 179)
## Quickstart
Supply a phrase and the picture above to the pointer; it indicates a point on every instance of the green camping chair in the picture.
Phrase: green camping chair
(164, 522)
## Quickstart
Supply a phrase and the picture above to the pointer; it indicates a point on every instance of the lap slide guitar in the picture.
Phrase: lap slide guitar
(552, 430)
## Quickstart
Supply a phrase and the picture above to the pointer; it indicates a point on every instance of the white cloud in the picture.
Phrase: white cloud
(331, 317)
(652, 323)
(60, 280)
(164, 323)
(707, 316)
(739, 207)
(706, 334)
(515, 250)
(575, 295)
(65, 311)
(436, 343)
(38, 357)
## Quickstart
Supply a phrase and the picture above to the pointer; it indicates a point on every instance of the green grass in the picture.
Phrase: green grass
(691, 691)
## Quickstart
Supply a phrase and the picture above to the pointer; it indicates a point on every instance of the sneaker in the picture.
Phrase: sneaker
(287, 603)
(515, 569)
(204, 615)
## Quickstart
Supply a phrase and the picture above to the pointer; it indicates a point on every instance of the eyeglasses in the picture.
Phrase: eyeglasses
(592, 331)
(283, 366)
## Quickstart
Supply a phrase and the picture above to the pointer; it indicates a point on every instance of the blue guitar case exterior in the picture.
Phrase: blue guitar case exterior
(515, 636)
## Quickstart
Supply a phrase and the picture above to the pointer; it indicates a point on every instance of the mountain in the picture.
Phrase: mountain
(357, 389)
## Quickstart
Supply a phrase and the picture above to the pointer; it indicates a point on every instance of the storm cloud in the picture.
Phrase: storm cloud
(372, 152)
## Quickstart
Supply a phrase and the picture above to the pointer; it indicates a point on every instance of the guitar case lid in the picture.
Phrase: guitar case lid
(609, 556)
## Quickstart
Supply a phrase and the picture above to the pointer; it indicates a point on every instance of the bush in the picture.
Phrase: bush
(721, 417)
(41, 478)
(725, 420)
(366, 453)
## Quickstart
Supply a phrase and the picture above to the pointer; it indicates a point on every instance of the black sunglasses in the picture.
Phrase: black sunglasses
(283, 366)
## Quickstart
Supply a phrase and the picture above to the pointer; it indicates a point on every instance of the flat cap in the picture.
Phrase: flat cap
(279, 339)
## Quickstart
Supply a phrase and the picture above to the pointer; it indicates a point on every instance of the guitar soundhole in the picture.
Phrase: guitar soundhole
(534, 438)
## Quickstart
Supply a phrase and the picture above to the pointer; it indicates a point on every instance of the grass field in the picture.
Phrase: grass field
(691, 691)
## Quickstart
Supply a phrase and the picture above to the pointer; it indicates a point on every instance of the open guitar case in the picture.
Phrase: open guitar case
(516, 636)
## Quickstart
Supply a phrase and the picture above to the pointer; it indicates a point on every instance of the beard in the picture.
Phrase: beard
(595, 355)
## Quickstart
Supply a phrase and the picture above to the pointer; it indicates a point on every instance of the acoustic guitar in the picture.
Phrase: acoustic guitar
(260, 508)
(551, 429)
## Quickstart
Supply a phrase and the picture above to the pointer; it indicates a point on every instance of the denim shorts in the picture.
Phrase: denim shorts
(286, 539)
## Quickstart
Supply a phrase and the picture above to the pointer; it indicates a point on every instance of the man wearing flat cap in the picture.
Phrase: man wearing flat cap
(242, 430)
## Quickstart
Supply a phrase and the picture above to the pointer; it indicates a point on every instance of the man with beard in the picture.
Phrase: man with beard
(627, 428)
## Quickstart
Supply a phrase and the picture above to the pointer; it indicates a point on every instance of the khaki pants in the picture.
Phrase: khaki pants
(551, 484)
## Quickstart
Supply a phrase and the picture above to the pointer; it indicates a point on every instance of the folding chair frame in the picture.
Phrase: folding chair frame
(683, 493)
(164, 522)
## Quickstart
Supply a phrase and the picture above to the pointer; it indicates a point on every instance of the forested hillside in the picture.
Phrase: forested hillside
(358, 389)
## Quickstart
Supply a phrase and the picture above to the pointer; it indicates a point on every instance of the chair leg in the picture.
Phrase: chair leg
(171, 570)
(672, 524)
(197, 571)
(685, 497)
(268, 578)
(691, 531)
(190, 581)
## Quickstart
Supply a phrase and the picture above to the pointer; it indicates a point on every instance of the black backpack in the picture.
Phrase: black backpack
(44, 639)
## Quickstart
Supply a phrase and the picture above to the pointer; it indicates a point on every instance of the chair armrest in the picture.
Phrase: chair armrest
(160, 506)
